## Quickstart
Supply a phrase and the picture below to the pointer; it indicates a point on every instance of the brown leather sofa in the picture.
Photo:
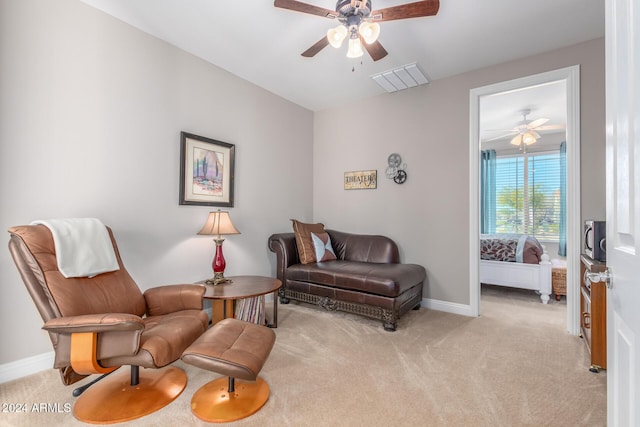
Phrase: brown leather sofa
(366, 278)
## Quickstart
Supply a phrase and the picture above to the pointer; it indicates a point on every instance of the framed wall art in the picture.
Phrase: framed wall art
(206, 171)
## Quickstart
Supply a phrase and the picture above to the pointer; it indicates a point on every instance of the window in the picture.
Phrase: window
(528, 195)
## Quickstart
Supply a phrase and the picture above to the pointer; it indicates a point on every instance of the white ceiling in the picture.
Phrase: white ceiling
(262, 44)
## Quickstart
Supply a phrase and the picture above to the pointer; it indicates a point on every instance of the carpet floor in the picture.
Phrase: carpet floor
(515, 365)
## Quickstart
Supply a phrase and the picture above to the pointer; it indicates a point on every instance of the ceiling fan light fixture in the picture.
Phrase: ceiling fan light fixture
(369, 31)
(526, 138)
(337, 35)
(355, 48)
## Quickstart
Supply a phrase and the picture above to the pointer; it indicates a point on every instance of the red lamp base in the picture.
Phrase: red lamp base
(218, 265)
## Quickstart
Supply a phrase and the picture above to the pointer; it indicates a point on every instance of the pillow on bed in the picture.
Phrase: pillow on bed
(304, 242)
(322, 245)
(532, 251)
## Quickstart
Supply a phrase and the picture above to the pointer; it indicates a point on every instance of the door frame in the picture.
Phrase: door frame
(571, 75)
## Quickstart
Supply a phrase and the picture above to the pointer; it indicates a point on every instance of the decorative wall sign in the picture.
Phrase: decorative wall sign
(361, 180)
(206, 171)
(396, 169)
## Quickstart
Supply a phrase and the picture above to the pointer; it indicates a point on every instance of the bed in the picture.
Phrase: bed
(517, 261)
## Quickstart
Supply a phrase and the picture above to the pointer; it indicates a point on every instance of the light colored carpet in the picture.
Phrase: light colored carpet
(513, 366)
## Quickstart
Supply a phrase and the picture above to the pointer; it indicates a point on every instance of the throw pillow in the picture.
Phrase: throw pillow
(306, 250)
(322, 244)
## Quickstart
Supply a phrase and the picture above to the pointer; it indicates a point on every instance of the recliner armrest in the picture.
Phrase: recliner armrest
(171, 298)
(112, 322)
(115, 335)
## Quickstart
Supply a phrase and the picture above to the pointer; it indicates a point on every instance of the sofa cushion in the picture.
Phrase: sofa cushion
(388, 280)
(304, 242)
(322, 245)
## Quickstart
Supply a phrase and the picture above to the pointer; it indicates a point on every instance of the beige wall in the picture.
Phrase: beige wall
(429, 127)
(91, 114)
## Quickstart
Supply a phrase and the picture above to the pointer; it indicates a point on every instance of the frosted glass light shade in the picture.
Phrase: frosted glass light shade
(337, 35)
(526, 138)
(355, 48)
(369, 31)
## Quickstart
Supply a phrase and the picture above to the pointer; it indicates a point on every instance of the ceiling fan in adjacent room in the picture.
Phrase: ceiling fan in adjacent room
(358, 23)
(525, 132)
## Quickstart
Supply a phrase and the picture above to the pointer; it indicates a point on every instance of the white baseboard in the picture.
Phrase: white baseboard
(25, 367)
(448, 307)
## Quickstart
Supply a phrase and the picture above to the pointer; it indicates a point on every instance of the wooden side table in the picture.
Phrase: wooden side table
(241, 287)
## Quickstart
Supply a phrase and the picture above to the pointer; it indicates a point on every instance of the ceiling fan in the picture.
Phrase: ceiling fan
(359, 23)
(525, 132)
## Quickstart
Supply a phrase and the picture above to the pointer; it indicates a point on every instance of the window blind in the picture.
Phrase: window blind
(528, 195)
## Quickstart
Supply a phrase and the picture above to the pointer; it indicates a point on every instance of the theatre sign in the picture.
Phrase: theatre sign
(361, 180)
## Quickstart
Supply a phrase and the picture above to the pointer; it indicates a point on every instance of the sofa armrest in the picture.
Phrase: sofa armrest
(112, 322)
(171, 298)
(284, 246)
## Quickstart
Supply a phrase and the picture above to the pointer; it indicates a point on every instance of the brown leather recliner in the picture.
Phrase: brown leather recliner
(98, 324)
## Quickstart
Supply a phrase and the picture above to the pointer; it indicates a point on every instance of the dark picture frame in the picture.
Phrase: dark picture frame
(206, 171)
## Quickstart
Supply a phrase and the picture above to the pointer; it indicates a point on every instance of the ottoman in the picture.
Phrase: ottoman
(237, 350)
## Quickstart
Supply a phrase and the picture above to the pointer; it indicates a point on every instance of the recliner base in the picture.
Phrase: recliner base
(115, 400)
(215, 404)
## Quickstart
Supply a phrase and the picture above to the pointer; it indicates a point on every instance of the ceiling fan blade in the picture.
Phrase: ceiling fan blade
(502, 130)
(298, 6)
(409, 10)
(317, 47)
(375, 49)
(501, 136)
(537, 122)
(550, 127)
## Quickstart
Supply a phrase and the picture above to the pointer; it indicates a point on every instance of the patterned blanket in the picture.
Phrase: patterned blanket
(510, 248)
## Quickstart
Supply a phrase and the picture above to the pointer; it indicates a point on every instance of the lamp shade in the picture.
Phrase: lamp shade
(218, 223)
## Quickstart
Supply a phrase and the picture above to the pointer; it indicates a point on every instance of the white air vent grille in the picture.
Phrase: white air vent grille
(401, 78)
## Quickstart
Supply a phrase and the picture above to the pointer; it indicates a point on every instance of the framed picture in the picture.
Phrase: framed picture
(206, 171)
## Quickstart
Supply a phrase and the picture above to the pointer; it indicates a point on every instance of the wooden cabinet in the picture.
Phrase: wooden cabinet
(593, 310)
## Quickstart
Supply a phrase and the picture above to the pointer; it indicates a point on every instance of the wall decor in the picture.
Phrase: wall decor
(396, 170)
(359, 180)
(206, 171)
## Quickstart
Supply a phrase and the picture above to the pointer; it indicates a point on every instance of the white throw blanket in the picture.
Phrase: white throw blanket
(83, 246)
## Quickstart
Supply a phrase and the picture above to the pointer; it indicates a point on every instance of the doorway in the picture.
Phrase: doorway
(571, 78)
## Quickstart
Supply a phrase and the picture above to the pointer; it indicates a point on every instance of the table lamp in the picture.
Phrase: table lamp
(218, 224)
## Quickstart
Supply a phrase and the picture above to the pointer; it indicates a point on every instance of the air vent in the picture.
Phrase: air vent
(401, 78)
